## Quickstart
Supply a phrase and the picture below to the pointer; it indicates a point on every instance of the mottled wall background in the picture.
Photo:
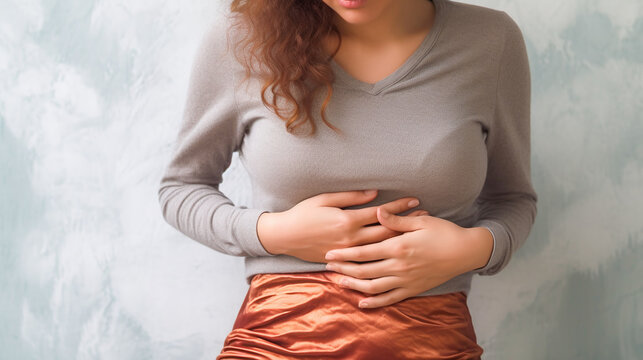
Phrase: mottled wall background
(91, 93)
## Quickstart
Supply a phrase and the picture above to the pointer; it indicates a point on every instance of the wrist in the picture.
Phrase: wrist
(267, 227)
(482, 243)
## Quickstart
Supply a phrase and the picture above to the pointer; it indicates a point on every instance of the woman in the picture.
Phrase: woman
(424, 100)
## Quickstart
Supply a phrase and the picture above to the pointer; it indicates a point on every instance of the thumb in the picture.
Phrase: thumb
(399, 223)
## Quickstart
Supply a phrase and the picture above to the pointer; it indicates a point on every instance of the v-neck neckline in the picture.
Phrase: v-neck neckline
(342, 76)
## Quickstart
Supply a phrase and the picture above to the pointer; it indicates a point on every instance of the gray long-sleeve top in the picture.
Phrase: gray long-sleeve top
(451, 126)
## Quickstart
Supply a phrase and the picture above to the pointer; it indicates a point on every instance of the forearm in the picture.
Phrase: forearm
(481, 245)
(205, 214)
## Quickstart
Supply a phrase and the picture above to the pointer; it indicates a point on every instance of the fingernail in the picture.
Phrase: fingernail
(363, 304)
(414, 202)
(369, 192)
(330, 267)
(343, 282)
(330, 256)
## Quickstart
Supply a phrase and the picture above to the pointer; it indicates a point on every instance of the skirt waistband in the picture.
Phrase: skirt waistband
(308, 316)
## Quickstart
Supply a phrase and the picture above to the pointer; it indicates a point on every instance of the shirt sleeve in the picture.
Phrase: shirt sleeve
(507, 202)
(209, 133)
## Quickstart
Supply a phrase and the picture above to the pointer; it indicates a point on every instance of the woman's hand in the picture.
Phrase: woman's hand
(318, 224)
(429, 252)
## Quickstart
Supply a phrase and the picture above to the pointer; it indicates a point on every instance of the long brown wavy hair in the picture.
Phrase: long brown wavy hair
(285, 36)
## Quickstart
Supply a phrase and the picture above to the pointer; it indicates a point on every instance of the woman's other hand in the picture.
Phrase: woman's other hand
(318, 224)
(429, 252)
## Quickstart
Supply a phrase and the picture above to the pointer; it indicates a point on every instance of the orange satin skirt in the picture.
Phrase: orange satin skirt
(308, 316)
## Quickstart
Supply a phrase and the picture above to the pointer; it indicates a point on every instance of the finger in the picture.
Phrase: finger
(369, 270)
(418, 212)
(342, 198)
(400, 223)
(372, 234)
(368, 215)
(384, 249)
(376, 233)
(370, 286)
(388, 298)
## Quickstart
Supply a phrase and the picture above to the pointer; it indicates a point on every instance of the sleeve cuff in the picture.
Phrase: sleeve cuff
(247, 232)
(500, 247)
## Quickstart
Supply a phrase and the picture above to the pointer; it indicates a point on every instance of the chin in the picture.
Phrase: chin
(365, 13)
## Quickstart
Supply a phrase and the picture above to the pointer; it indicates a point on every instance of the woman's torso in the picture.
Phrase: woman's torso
(420, 131)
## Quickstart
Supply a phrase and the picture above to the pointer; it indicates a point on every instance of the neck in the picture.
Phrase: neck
(399, 21)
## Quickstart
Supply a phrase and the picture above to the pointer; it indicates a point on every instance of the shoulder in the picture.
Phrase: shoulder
(486, 20)
(478, 13)
(215, 39)
(214, 56)
(484, 25)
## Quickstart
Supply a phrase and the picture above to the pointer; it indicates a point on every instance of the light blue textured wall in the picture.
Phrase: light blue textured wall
(91, 92)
